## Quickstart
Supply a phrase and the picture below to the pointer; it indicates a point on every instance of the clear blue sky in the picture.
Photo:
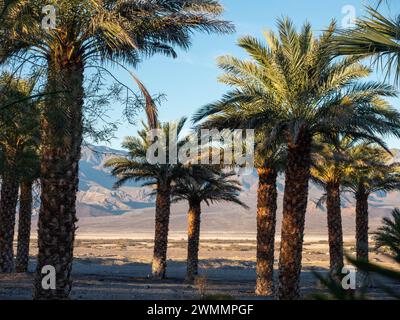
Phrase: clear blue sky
(190, 81)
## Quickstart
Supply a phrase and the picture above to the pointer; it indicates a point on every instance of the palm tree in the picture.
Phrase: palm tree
(328, 170)
(160, 175)
(376, 37)
(270, 162)
(19, 127)
(296, 87)
(201, 184)
(29, 169)
(388, 235)
(270, 159)
(374, 174)
(87, 33)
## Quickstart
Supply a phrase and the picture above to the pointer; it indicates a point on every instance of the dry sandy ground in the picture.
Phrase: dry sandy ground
(119, 269)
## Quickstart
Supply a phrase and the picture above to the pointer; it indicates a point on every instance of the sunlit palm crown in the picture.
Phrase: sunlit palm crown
(372, 170)
(336, 158)
(136, 166)
(202, 183)
(294, 85)
(107, 29)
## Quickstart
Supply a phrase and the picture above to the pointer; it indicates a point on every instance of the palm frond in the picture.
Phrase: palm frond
(376, 37)
(388, 235)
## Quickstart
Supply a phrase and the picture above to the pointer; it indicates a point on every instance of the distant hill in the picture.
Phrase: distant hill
(130, 210)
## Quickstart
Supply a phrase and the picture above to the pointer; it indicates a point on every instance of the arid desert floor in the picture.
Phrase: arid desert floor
(119, 269)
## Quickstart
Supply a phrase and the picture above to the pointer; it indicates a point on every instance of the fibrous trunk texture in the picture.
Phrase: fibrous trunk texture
(362, 224)
(266, 223)
(335, 230)
(294, 210)
(8, 207)
(61, 138)
(163, 205)
(363, 278)
(24, 226)
(193, 239)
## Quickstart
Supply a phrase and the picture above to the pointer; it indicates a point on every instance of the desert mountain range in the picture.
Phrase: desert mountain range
(129, 211)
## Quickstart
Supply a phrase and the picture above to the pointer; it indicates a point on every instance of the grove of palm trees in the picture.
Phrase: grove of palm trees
(266, 175)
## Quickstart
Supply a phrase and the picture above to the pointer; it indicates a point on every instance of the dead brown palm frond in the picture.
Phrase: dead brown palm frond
(151, 107)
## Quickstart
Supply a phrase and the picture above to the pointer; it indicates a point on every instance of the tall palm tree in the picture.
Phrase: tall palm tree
(29, 170)
(201, 184)
(87, 33)
(270, 159)
(374, 174)
(18, 130)
(377, 37)
(328, 170)
(137, 168)
(294, 85)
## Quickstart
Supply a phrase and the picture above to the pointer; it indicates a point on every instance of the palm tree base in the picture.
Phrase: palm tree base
(264, 291)
(158, 269)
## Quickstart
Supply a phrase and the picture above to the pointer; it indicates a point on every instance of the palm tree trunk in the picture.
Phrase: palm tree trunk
(362, 224)
(163, 205)
(266, 222)
(335, 229)
(8, 207)
(294, 210)
(193, 239)
(363, 279)
(61, 138)
(24, 226)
